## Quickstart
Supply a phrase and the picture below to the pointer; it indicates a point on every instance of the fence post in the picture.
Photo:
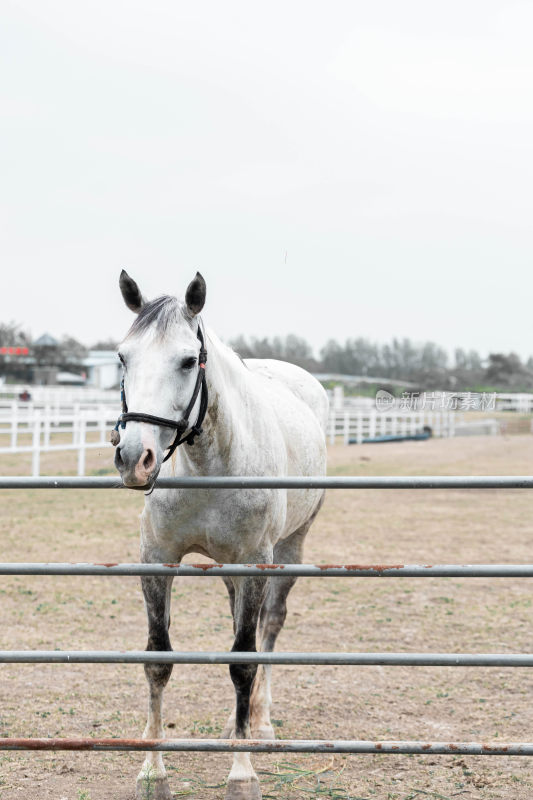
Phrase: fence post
(359, 429)
(332, 426)
(372, 425)
(14, 425)
(451, 423)
(36, 445)
(76, 424)
(102, 423)
(46, 428)
(346, 432)
(82, 432)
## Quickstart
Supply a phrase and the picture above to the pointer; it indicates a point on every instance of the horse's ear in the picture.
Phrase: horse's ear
(195, 295)
(131, 292)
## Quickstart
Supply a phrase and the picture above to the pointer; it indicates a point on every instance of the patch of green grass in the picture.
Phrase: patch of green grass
(289, 778)
(204, 726)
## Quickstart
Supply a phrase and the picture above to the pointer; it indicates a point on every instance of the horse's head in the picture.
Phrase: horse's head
(160, 358)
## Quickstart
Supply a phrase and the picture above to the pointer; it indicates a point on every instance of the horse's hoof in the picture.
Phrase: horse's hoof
(263, 732)
(152, 789)
(243, 789)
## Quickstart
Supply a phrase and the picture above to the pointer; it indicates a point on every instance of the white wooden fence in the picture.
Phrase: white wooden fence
(367, 424)
(33, 427)
(520, 402)
(27, 429)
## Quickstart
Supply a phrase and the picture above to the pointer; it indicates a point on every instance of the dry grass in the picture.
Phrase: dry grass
(332, 614)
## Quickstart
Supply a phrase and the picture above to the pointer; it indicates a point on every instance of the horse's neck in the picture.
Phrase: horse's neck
(225, 376)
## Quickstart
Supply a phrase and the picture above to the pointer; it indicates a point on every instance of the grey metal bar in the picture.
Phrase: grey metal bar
(276, 746)
(276, 570)
(243, 657)
(296, 482)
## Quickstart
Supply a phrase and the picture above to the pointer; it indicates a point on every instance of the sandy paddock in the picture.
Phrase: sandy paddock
(370, 526)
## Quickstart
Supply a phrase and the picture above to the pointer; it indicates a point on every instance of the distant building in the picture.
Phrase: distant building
(45, 350)
(45, 341)
(104, 369)
(49, 362)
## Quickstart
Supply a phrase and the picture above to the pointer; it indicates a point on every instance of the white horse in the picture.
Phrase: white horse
(263, 417)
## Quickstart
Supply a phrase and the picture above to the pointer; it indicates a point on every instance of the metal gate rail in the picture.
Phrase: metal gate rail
(276, 746)
(272, 570)
(276, 570)
(246, 657)
(290, 482)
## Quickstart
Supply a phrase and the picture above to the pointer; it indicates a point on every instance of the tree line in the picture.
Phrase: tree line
(425, 364)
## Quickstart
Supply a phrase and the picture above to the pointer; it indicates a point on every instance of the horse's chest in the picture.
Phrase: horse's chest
(224, 524)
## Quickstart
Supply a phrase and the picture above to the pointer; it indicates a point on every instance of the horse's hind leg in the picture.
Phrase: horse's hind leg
(152, 781)
(273, 613)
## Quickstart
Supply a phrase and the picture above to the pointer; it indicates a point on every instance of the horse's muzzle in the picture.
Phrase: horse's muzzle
(138, 469)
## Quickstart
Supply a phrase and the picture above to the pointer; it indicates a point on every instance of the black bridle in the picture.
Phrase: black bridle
(183, 424)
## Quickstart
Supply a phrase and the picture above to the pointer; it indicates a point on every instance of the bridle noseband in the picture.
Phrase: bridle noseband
(180, 426)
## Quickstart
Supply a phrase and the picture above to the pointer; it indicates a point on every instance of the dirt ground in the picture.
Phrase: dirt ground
(373, 526)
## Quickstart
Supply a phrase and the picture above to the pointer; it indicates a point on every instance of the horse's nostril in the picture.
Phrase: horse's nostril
(118, 457)
(148, 460)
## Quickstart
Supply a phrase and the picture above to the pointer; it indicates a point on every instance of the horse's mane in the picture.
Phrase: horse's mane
(159, 314)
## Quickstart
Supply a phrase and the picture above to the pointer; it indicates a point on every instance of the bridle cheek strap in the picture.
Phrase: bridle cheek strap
(183, 424)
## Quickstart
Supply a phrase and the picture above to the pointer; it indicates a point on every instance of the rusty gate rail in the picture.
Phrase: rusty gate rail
(274, 570)
(275, 746)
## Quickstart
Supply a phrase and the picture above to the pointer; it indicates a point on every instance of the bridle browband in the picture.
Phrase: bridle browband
(183, 424)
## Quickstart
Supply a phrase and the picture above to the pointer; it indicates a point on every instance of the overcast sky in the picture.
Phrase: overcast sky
(333, 169)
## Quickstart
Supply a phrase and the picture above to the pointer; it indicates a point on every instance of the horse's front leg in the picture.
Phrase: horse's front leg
(152, 781)
(249, 594)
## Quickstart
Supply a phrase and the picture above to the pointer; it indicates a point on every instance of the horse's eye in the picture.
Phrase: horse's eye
(188, 363)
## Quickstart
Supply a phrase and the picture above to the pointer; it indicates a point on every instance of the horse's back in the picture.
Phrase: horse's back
(302, 385)
(300, 405)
